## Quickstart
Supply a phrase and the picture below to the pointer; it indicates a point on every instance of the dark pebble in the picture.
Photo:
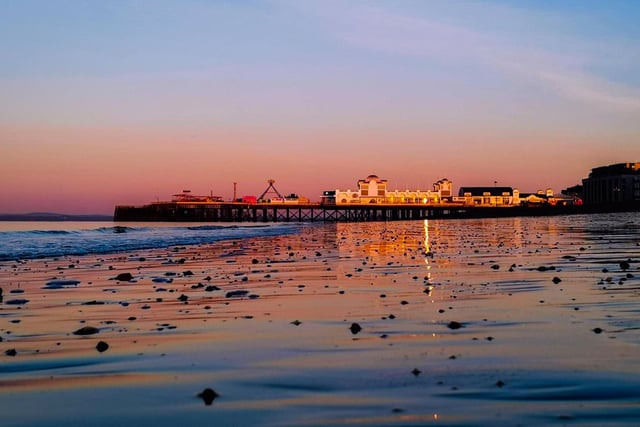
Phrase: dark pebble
(19, 301)
(124, 277)
(597, 330)
(556, 280)
(238, 293)
(454, 325)
(60, 284)
(86, 330)
(102, 346)
(416, 372)
(624, 265)
(208, 396)
(11, 352)
(355, 328)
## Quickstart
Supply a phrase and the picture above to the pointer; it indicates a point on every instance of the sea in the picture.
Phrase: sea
(531, 321)
(42, 239)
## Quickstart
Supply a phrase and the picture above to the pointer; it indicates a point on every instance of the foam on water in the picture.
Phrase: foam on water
(38, 240)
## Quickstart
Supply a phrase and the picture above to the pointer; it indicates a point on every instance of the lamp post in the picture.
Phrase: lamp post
(495, 196)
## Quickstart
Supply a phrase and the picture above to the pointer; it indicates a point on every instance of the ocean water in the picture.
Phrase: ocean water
(547, 310)
(33, 239)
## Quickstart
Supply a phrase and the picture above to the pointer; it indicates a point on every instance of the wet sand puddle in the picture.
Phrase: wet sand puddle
(523, 321)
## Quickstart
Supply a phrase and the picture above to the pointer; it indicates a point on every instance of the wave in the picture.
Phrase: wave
(116, 229)
(45, 232)
(209, 227)
(16, 245)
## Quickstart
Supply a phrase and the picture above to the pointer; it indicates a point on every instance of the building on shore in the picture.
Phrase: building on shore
(489, 196)
(373, 190)
(617, 184)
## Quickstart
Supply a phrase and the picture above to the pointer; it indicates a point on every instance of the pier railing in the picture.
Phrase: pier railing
(275, 212)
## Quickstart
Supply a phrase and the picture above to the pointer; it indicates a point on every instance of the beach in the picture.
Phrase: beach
(518, 321)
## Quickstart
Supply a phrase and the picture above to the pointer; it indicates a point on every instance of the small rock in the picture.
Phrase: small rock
(296, 322)
(18, 301)
(355, 328)
(597, 330)
(124, 277)
(624, 265)
(60, 284)
(416, 372)
(556, 280)
(238, 293)
(500, 383)
(11, 352)
(86, 330)
(208, 396)
(102, 346)
(454, 325)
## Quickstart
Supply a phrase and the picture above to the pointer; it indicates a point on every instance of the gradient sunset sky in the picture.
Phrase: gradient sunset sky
(125, 102)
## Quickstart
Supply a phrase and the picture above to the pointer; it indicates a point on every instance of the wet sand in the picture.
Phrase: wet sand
(520, 321)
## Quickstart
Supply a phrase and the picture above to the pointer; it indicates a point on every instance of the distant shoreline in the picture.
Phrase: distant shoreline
(48, 216)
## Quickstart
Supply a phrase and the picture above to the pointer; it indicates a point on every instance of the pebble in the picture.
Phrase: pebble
(86, 330)
(454, 325)
(355, 328)
(208, 395)
(238, 293)
(124, 277)
(102, 346)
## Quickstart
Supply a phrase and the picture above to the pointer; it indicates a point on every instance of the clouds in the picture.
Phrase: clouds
(545, 49)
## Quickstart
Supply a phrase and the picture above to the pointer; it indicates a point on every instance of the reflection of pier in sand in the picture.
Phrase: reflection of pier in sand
(274, 212)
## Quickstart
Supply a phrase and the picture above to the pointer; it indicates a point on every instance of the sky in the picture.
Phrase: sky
(131, 101)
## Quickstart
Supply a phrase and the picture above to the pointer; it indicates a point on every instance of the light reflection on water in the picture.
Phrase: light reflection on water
(527, 352)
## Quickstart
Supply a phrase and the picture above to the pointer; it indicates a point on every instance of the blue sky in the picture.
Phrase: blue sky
(410, 90)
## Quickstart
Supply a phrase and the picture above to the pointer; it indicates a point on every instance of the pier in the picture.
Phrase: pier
(315, 212)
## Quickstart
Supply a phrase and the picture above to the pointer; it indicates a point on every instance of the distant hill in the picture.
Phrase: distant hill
(49, 216)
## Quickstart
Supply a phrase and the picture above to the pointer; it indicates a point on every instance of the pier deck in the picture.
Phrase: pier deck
(275, 212)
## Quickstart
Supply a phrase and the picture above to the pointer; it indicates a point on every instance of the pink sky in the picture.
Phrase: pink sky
(92, 170)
